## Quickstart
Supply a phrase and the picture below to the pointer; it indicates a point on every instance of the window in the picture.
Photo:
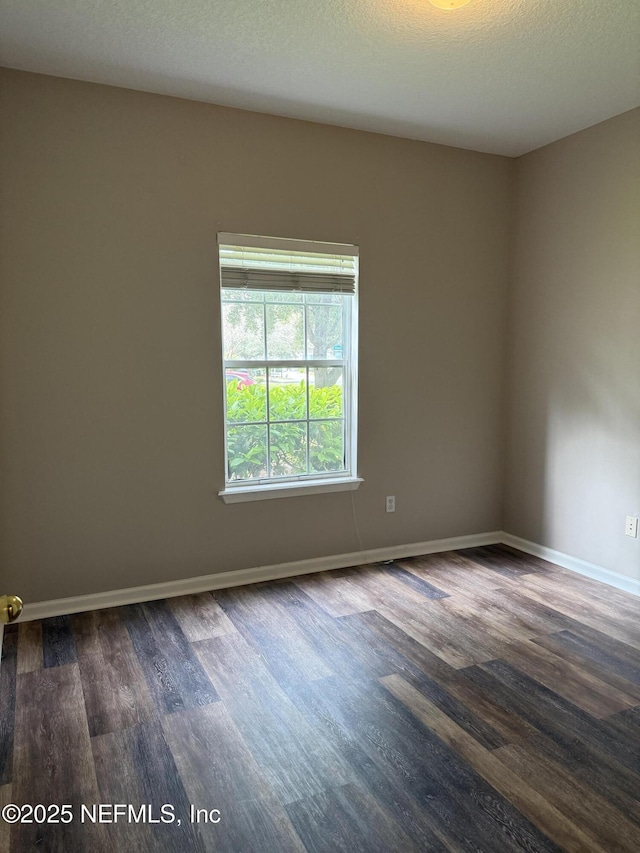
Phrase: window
(289, 336)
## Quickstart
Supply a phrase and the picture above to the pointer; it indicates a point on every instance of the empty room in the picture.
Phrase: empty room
(320, 426)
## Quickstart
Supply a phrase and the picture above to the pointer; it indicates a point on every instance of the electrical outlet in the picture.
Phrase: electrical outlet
(391, 503)
(630, 528)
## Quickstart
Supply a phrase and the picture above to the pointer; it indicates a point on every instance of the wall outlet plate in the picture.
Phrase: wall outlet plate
(390, 503)
(631, 526)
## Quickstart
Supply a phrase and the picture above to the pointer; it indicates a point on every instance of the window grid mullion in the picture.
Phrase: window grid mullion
(280, 421)
(268, 401)
(268, 425)
(305, 327)
(264, 329)
(262, 364)
(308, 418)
(304, 330)
(347, 410)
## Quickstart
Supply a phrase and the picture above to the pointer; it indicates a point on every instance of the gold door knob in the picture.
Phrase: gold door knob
(10, 607)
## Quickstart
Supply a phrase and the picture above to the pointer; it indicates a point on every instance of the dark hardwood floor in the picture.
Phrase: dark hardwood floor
(478, 700)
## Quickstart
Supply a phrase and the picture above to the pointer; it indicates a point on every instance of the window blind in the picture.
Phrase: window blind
(269, 263)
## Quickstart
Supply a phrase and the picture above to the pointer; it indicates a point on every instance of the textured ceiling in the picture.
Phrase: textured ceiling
(504, 76)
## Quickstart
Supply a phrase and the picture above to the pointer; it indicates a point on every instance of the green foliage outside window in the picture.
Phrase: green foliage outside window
(247, 441)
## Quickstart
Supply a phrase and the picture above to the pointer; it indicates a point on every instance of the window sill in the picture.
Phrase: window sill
(241, 494)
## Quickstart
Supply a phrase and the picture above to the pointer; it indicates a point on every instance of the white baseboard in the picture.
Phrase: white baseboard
(582, 567)
(222, 580)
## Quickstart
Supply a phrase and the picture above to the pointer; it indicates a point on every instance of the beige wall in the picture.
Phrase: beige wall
(573, 469)
(111, 423)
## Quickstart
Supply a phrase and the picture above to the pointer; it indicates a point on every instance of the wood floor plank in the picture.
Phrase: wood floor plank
(626, 725)
(135, 766)
(387, 638)
(200, 616)
(115, 691)
(583, 608)
(624, 602)
(566, 733)
(446, 788)
(609, 653)
(158, 669)
(52, 759)
(414, 581)
(556, 644)
(5, 828)
(577, 685)
(582, 806)
(295, 763)
(457, 641)
(512, 728)
(347, 818)
(557, 740)
(193, 683)
(511, 617)
(404, 656)
(7, 702)
(422, 619)
(569, 721)
(332, 591)
(357, 590)
(498, 562)
(540, 811)
(463, 715)
(333, 640)
(414, 808)
(353, 650)
(174, 675)
(621, 790)
(218, 771)
(30, 652)
(455, 573)
(385, 589)
(593, 770)
(378, 632)
(631, 718)
(489, 618)
(593, 595)
(267, 626)
(527, 562)
(535, 617)
(57, 641)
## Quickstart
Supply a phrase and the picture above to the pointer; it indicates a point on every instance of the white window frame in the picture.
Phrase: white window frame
(314, 483)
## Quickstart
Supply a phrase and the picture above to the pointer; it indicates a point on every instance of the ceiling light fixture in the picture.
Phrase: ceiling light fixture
(449, 5)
